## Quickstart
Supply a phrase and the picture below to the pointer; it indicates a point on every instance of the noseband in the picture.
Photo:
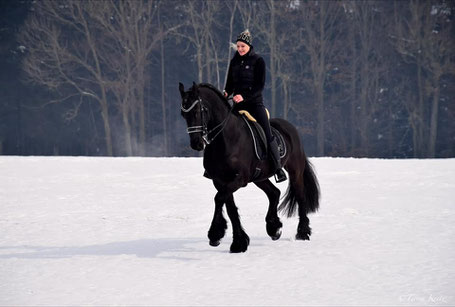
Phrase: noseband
(195, 129)
(203, 128)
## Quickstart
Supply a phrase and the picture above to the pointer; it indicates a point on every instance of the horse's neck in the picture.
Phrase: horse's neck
(217, 108)
(220, 114)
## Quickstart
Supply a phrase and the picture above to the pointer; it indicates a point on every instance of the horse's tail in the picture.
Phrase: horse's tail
(305, 195)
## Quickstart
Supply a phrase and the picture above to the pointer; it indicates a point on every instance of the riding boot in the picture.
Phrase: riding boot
(280, 176)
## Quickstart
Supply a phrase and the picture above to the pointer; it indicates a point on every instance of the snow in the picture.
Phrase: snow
(132, 231)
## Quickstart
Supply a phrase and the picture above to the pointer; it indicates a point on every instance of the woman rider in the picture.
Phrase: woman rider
(245, 81)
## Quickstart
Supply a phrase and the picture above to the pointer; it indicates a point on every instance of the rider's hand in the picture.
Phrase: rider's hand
(225, 94)
(237, 98)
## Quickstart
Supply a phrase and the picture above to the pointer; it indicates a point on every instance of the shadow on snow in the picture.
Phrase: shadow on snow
(172, 248)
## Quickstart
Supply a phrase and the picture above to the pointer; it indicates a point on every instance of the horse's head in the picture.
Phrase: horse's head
(193, 112)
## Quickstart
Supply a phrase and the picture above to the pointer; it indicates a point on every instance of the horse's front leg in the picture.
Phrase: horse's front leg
(240, 240)
(218, 227)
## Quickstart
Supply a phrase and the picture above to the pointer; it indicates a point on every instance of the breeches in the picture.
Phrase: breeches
(257, 110)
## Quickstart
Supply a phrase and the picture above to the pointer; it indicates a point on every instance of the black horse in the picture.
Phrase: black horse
(230, 160)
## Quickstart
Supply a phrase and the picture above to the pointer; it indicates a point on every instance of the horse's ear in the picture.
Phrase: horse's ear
(181, 89)
(195, 88)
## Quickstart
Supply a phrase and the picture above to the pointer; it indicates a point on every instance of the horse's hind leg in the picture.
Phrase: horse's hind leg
(304, 229)
(296, 197)
(218, 227)
(273, 223)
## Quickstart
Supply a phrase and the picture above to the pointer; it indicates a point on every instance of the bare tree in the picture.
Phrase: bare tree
(63, 55)
(96, 49)
(272, 43)
(367, 68)
(132, 26)
(232, 6)
(285, 40)
(267, 19)
(199, 30)
(319, 33)
(163, 99)
(423, 35)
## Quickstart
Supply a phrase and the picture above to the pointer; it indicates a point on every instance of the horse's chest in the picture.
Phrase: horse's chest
(221, 167)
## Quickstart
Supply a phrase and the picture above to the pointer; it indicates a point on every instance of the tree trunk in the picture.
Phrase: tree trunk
(419, 149)
(127, 126)
(320, 87)
(107, 128)
(434, 120)
(364, 114)
(231, 30)
(320, 133)
(199, 64)
(208, 58)
(273, 58)
(105, 109)
(163, 100)
(286, 101)
(141, 145)
(353, 102)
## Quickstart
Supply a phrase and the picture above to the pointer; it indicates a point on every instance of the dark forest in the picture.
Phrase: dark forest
(100, 78)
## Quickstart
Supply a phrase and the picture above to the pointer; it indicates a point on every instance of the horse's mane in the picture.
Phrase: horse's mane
(217, 91)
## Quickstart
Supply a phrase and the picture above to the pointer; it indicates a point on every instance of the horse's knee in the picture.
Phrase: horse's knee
(219, 198)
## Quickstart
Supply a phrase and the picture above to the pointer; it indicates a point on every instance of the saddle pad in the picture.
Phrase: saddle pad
(250, 117)
(260, 142)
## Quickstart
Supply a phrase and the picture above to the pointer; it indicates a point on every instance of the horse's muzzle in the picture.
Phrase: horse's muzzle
(197, 144)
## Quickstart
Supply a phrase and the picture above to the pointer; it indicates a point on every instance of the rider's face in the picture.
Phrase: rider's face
(242, 48)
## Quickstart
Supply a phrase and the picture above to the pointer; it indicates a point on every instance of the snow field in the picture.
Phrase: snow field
(132, 231)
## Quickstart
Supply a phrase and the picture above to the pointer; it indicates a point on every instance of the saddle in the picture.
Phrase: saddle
(258, 136)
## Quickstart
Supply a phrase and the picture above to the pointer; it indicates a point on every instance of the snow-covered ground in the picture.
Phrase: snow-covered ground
(132, 231)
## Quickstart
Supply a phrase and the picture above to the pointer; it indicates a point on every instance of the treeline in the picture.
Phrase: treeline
(357, 78)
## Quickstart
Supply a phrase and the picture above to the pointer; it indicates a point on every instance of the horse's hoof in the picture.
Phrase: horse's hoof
(238, 249)
(274, 228)
(215, 243)
(277, 235)
(240, 245)
(302, 236)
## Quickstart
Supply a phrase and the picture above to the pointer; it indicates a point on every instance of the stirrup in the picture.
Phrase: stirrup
(280, 176)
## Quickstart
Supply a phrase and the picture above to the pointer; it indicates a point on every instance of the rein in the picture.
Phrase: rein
(203, 128)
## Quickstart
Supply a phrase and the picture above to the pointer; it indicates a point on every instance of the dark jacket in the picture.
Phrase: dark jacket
(246, 76)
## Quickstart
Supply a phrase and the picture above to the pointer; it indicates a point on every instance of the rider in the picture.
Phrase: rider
(245, 80)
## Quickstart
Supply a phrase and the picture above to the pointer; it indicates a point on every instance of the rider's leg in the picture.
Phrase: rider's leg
(258, 111)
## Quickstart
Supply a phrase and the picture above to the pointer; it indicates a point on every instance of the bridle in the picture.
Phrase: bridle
(203, 128)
